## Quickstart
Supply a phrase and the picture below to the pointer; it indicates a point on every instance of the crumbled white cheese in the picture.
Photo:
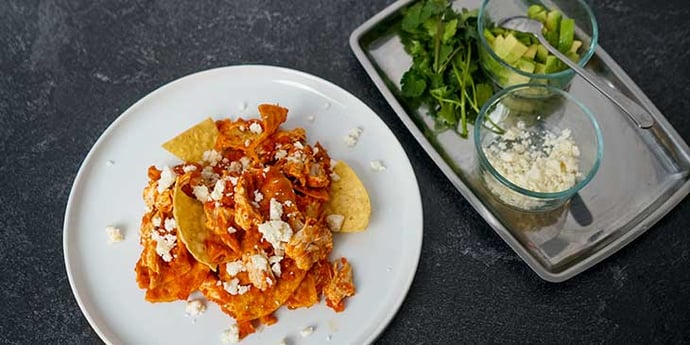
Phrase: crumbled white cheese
(156, 221)
(275, 209)
(307, 331)
(209, 175)
(245, 161)
(269, 281)
(316, 150)
(212, 157)
(335, 222)
(201, 193)
(164, 244)
(233, 287)
(377, 165)
(298, 145)
(542, 162)
(218, 190)
(334, 175)
(352, 136)
(277, 270)
(258, 262)
(242, 128)
(231, 229)
(247, 143)
(188, 168)
(167, 179)
(235, 267)
(233, 180)
(195, 308)
(235, 167)
(296, 157)
(276, 232)
(280, 154)
(170, 224)
(549, 167)
(242, 289)
(231, 335)
(275, 260)
(255, 128)
(258, 196)
(114, 234)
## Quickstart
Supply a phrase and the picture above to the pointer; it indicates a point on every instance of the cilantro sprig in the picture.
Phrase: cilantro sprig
(445, 72)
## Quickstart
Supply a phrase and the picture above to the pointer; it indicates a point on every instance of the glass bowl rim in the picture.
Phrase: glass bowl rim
(566, 73)
(538, 195)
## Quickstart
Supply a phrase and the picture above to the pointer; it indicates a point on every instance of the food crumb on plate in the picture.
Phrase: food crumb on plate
(307, 331)
(282, 342)
(114, 234)
(377, 165)
(352, 136)
(231, 335)
(195, 308)
(110, 162)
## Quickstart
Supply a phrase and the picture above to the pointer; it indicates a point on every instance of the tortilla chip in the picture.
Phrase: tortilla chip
(191, 144)
(349, 198)
(191, 225)
(255, 303)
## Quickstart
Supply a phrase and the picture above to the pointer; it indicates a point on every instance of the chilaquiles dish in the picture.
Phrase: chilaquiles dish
(247, 220)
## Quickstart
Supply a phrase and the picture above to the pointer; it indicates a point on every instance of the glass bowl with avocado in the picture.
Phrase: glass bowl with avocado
(509, 57)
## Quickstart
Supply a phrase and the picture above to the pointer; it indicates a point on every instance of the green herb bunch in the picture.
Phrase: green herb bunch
(445, 72)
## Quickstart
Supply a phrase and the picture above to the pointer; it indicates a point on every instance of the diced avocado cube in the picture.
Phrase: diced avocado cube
(552, 64)
(542, 53)
(524, 38)
(515, 78)
(509, 49)
(566, 35)
(542, 17)
(552, 37)
(498, 31)
(540, 68)
(573, 56)
(553, 20)
(534, 11)
(531, 52)
(525, 65)
(489, 36)
(576, 45)
(498, 41)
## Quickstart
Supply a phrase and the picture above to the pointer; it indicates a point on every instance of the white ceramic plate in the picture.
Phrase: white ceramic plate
(108, 188)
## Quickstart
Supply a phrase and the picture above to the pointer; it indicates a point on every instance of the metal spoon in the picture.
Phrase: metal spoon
(637, 114)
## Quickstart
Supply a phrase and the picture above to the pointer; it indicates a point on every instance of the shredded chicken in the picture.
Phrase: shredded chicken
(311, 244)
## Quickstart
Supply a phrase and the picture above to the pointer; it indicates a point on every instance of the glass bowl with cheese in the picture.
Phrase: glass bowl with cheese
(536, 146)
(510, 58)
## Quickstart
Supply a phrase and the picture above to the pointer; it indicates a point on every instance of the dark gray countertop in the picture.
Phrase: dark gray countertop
(69, 68)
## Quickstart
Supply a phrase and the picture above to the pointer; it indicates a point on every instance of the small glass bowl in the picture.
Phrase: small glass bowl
(494, 11)
(541, 111)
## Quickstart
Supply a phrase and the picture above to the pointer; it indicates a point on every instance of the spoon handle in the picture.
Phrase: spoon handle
(637, 114)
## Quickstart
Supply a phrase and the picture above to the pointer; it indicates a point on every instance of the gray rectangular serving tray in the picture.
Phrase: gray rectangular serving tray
(643, 174)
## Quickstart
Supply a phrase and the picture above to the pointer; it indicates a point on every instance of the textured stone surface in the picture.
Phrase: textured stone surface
(69, 68)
